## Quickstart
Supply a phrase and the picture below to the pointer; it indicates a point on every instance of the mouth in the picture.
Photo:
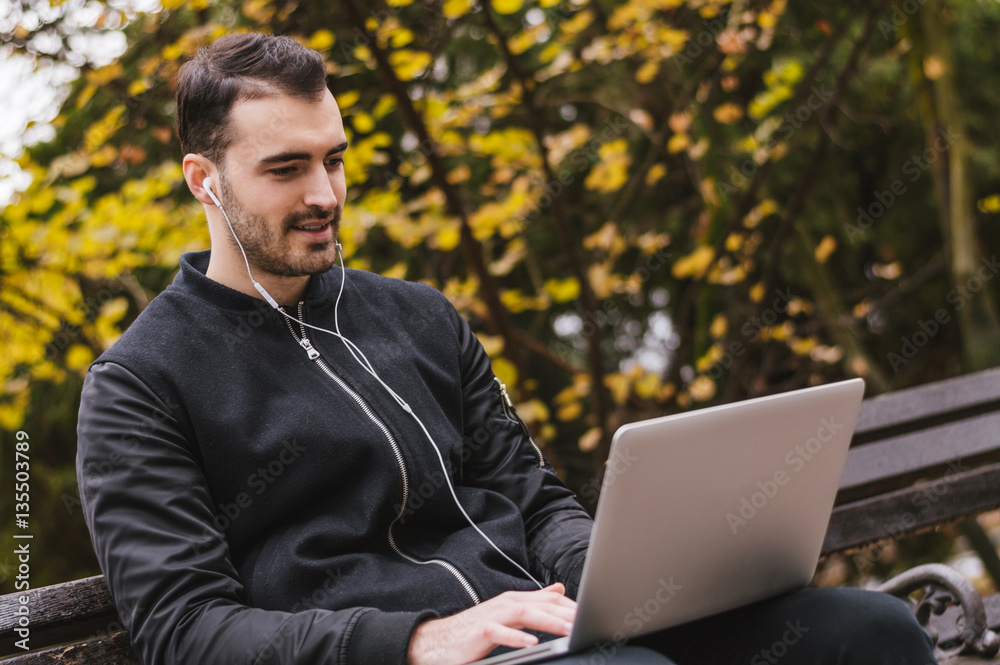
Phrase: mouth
(315, 231)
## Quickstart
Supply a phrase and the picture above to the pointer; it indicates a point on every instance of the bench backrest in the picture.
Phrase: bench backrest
(920, 457)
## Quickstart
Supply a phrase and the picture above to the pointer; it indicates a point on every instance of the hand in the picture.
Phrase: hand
(470, 635)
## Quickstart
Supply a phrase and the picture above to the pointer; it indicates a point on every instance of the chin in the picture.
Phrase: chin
(314, 265)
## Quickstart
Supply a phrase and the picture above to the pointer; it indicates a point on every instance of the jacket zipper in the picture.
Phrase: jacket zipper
(507, 406)
(303, 341)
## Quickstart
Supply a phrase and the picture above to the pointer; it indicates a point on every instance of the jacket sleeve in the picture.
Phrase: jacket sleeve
(148, 508)
(500, 455)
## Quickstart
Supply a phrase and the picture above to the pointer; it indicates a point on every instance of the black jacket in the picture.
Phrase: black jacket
(251, 502)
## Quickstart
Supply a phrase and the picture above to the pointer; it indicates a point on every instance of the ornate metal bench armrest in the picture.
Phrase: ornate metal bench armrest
(942, 587)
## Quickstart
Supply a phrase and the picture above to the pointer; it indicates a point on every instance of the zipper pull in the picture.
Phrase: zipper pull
(307, 345)
(503, 392)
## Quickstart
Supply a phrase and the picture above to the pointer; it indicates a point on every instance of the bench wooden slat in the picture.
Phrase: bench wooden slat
(114, 649)
(907, 510)
(896, 462)
(60, 613)
(919, 407)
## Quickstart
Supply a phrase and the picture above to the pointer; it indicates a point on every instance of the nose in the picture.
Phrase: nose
(319, 190)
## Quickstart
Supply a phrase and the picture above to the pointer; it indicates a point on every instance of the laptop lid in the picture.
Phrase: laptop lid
(713, 509)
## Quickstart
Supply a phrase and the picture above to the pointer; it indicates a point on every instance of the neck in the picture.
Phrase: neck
(229, 269)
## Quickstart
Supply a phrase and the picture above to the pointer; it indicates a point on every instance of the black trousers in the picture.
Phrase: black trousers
(831, 626)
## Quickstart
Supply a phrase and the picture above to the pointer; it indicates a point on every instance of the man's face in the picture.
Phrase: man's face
(282, 182)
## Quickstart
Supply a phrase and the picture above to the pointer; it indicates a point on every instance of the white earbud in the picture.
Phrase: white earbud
(207, 184)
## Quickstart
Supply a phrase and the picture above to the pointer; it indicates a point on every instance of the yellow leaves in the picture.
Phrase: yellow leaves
(78, 357)
(533, 411)
(105, 75)
(647, 386)
(321, 40)
(701, 389)
(504, 370)
(137, 87)
(757, 292)
(506, 6)
(612, 171)
(825, 248)
(568, 400)
(409, 64)
(504, 216)
(507, 146)
(727, 275)
(492, 344)
(602, 282)
(607, 238)
(779, 79)
(516, 301)
(571, 411)
(655, 174)
(767, 20)
(712, 356)
(348, 99)
(759, 212)
(260, 11)
(577, 23)
(719, 326)
(103, 129)
(733, 242)
(363, 154)
(103, 156)
(363, 123)
(560, 145)
(647, 72)
(453, 9)
(651, 242)
(448, 237)
(563, 290)
(12, 412)
(514, 254)
(934, 67)
(677, 143)
(401, 37)
(590, 439)
(618, 385)
(524, 40)
(990, 204)
(694, 264)
(830, 355)
(397, 271)
(727, 113)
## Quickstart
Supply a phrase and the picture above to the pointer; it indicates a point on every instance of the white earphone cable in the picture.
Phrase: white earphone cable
(362, 360)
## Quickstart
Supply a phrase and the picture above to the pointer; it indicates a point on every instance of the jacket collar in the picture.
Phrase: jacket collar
(192, 279)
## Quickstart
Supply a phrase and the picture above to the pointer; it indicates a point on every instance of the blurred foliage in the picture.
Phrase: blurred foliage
(643, 206)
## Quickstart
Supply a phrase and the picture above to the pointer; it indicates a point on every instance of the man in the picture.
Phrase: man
(260, 491)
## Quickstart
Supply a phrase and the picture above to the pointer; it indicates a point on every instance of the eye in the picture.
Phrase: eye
(283, 171)
(334, 162)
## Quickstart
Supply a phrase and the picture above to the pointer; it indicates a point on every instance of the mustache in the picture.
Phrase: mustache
(319, 215)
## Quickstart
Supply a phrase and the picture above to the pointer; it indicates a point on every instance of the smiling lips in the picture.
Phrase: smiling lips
(316, 232)
(311, 227)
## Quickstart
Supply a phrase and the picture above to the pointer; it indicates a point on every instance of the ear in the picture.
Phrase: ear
(196, 169)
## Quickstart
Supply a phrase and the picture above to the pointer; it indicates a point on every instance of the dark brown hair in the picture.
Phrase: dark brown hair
(235, 68)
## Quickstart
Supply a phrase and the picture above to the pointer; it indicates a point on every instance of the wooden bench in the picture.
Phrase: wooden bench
(919, 458)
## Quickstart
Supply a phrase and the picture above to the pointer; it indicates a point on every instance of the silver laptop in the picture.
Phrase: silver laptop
(707, 511)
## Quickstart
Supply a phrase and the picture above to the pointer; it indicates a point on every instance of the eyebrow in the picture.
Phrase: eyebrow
(293, 156)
